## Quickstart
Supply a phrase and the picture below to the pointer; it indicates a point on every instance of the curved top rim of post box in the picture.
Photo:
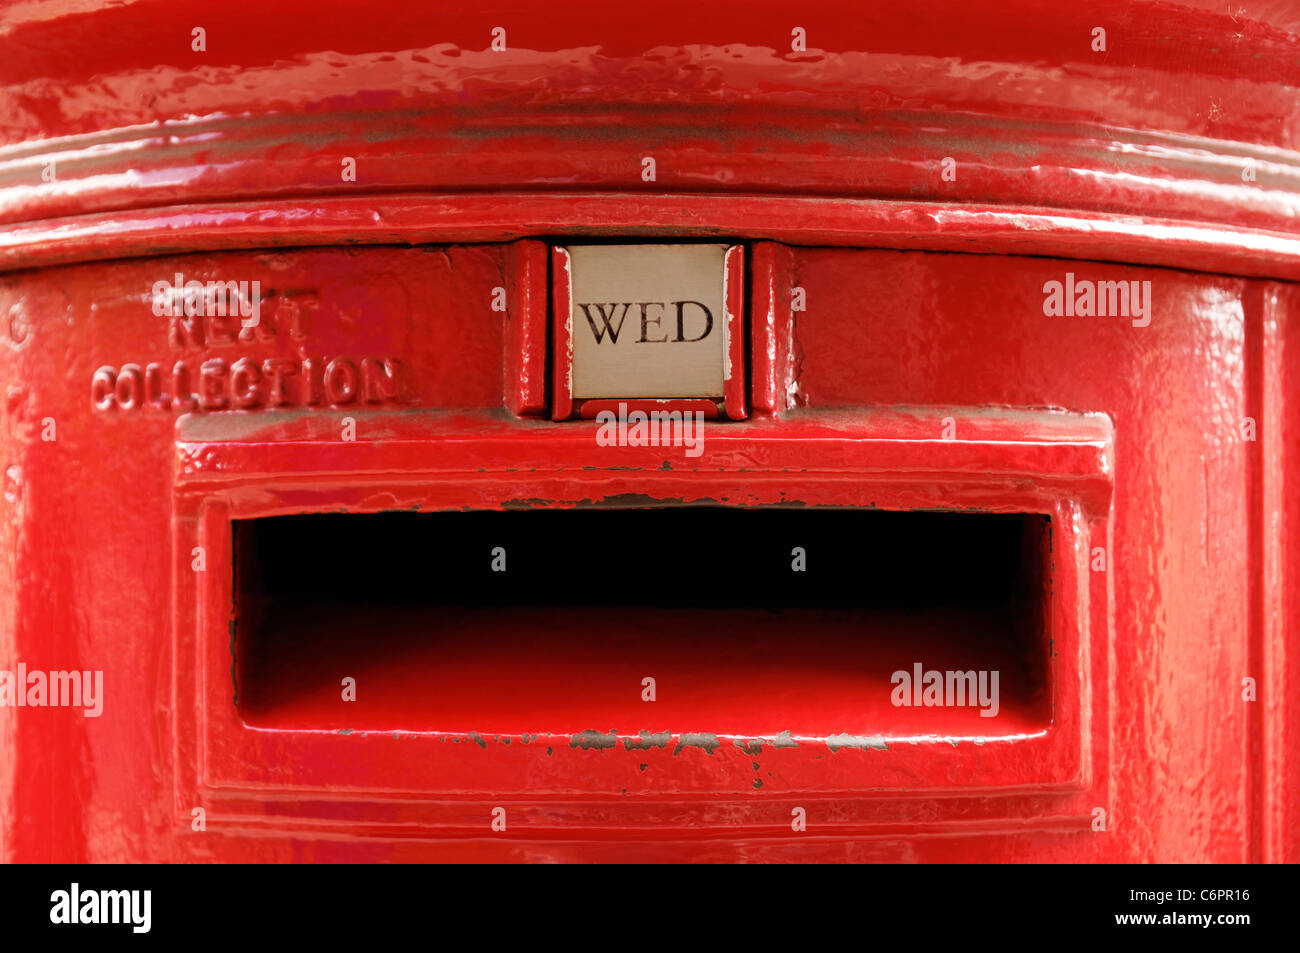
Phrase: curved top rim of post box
(1176, 145)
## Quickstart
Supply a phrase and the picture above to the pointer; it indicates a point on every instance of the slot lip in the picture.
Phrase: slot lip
(1063, 453)
(1045, 462)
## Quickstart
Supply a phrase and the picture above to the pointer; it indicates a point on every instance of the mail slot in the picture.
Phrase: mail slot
(652, 427)
(566, 613)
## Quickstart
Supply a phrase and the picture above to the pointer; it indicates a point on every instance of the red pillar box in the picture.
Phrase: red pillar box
(639, 438)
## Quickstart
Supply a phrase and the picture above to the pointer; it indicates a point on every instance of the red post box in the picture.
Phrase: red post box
(727, 434)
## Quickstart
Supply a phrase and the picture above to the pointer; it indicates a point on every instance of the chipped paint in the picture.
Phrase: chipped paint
(729, 317)
(593, 739)
(837, 742)
(752, 746)
(688, 739)
(567, 259)
(647, 740)
(525, 504)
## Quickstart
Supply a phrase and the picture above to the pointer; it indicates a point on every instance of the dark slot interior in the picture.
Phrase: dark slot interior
(592, 600)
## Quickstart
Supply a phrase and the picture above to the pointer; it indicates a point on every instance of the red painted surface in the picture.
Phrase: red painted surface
(923, 374)
(736, 387)
(526, 341)
(561, 333)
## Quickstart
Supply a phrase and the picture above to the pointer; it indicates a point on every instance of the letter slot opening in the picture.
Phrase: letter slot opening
(751, 621)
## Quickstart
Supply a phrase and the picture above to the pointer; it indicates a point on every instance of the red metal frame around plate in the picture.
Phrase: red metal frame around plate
(733, 399)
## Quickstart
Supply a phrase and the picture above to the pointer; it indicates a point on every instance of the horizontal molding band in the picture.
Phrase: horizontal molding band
(507, 216)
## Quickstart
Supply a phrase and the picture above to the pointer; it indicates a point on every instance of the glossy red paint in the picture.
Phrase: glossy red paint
(526, 342)
(736, 388)
(921, 373)
(561, 334)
